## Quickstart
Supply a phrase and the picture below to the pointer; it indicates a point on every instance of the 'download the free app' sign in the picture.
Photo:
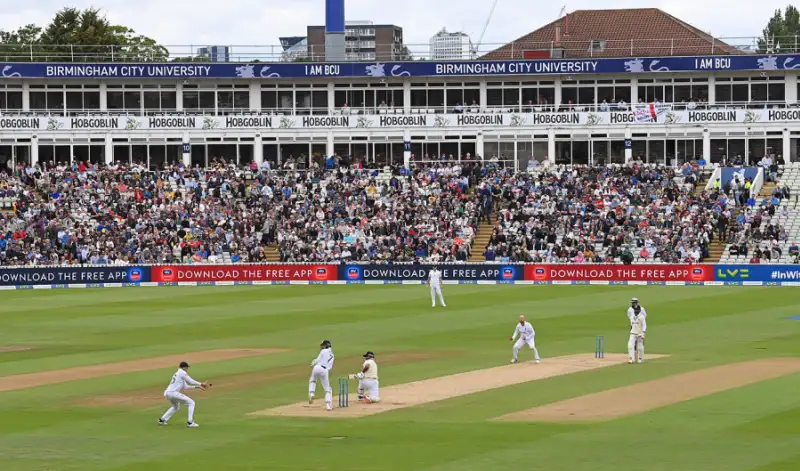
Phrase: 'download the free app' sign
(419, 272)
(62, 276)
(650, 273)
(242, 273)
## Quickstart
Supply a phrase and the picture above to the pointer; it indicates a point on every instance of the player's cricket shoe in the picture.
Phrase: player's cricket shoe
(513, 360)
(538, 361)
(192, 424)
(310, 399)
(328, 407)
(641, 361)
(162, 422)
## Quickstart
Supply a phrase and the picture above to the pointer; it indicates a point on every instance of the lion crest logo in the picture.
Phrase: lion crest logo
(246, 71)
(768, 63)
(634, 66)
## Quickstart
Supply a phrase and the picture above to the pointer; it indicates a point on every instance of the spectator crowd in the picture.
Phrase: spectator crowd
(88, 214)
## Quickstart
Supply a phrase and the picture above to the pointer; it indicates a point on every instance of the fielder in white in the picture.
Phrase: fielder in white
(180, 381)
(321, 369)
(435, 282)
(368, 386)
(638, 319)
(526, 336)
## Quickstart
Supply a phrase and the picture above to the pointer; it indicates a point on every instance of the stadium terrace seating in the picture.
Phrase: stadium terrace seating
(629, 214)
(636, 213)
(762, 235)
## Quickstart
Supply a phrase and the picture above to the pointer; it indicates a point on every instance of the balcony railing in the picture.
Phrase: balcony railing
(414, 110)
(512, 50)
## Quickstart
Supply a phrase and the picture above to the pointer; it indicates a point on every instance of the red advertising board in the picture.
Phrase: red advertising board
(619, 272)
(207, 273)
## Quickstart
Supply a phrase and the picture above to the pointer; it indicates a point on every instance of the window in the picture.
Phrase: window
(503, 95)
(159, 98)
(10, 98)
(597, 45)
(125, 98)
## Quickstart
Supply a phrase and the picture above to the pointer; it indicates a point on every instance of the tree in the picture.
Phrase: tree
(18, 45)
(75, 35)
(782, 32)
(404, 54)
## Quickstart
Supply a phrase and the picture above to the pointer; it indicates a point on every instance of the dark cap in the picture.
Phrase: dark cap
(368, 355)
(183, 365)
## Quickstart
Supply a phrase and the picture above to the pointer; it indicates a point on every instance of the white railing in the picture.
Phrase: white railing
(390, 110)
(519, 49)
(758, 182)
(715, 177)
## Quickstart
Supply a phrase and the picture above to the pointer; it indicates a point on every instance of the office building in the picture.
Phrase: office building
(215, 53)
(446, 45)
(364, 41)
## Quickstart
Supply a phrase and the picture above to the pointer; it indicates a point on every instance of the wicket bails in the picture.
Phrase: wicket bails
(599, 346)
(344, 392)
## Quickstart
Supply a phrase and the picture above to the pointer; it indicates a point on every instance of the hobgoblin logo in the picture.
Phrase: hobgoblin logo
(19, 123)
(622, 118)
(556, 118)
(94, 123)
(326, 122)
(480, 119)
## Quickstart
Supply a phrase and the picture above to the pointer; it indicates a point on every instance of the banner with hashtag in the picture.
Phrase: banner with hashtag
(757, 274)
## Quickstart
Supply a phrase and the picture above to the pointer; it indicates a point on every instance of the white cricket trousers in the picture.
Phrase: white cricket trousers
(320, 373)
(176, 399)
(369, 387)
(530, 342)
(633, 342)
(436, 290)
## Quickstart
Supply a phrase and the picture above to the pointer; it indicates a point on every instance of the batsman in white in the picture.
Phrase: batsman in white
(526, 336)
(321, 369)
(180, 381)
(368, 386)
(435, 282)
(638, 319)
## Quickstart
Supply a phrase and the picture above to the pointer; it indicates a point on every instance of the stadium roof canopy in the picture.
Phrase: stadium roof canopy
(637, 32)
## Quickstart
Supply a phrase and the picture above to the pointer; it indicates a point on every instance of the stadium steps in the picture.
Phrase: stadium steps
(766, 190)
(701, 186)
(272, 253)
(482, 240)
(716, 250)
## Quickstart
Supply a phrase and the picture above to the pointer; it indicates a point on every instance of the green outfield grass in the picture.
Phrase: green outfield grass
(74, 426)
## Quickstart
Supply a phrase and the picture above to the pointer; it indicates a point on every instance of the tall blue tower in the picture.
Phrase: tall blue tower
(334, 31)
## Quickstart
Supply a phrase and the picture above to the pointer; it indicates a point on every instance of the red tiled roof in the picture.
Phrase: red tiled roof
(638, 32)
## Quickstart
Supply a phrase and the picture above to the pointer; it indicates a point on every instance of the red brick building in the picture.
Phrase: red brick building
(638, 32)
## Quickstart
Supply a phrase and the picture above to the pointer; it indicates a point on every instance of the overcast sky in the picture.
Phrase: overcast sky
(261, 22)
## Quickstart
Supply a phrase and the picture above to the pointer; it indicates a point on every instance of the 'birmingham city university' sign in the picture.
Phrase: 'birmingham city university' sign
(745, 62)
(410, 121)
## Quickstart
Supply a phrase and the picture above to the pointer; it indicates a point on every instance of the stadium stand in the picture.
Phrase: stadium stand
(767, 232)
